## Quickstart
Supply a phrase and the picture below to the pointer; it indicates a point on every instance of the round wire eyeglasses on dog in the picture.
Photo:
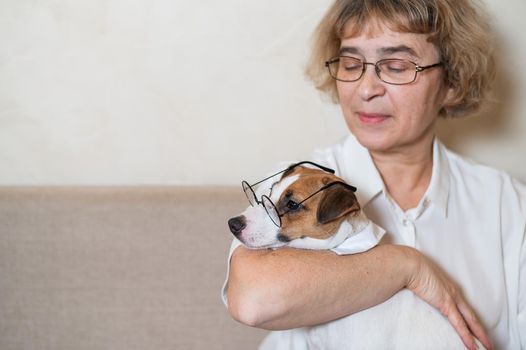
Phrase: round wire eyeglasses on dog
(251, 195)
(392, 71)
(270, 207)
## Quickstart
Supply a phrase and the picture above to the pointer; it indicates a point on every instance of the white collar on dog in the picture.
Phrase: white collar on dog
(364, 240)
(355, 235)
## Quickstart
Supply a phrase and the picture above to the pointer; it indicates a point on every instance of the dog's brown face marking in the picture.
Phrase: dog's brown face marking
(320, 216)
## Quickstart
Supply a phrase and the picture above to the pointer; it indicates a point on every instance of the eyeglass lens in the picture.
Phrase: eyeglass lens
(271, 210)
(249, 192)
(392, 71)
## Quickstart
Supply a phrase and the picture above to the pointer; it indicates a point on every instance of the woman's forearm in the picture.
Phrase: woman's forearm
(290, 288)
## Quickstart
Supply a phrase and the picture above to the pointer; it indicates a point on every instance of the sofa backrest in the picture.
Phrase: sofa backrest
(117, 268)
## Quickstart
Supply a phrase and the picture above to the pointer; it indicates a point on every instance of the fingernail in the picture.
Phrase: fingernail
(474, 345)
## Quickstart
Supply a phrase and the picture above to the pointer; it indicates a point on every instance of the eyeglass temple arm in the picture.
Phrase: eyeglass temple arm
(349, 187)
(329, 170)
(421, 68)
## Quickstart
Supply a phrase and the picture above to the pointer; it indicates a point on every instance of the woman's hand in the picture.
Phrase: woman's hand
(431, 284)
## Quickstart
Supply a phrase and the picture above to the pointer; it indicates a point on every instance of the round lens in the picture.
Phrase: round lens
(271, 210)
(249, 192)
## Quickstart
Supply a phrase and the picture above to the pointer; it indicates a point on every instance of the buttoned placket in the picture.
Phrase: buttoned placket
(409, 231)
(408, 220)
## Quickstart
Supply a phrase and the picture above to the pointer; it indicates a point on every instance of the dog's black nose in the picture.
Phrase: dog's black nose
(237, 225)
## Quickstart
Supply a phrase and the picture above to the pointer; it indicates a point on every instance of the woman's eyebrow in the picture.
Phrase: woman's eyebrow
(388, 50)
(397, 49)
(349, 49)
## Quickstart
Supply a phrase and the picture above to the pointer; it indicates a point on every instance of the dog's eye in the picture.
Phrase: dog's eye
(291, 205)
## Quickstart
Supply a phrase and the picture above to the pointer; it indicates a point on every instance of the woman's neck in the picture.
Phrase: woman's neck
(406, 173)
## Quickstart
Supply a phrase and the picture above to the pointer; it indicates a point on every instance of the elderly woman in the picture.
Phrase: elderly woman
(455, 229)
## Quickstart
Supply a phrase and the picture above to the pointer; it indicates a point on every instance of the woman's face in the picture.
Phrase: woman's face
(392, 118)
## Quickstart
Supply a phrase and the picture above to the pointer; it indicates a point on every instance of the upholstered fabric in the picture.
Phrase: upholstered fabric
(117, 268)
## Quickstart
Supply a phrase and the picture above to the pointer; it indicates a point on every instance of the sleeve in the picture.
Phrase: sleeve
(520, 189)
(235, 244)
(325, 157)
(522, 294)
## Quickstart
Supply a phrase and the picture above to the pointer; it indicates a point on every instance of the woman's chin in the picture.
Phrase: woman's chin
(375, 142)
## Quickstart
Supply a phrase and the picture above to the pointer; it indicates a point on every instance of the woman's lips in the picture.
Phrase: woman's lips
(372, 118)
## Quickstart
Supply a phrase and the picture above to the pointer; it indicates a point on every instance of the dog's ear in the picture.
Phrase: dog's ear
(337, 201)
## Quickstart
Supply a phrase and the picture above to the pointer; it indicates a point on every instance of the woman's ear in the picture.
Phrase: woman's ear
(448, 100)
(337, 201)
(450, 95)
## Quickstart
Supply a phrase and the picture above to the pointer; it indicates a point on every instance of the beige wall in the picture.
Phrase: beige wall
(186, 92)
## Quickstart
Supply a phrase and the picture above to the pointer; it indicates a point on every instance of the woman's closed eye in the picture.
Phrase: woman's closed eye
(351, 64)
(395, 66)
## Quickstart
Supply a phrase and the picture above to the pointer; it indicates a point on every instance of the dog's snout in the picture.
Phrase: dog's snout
(237, 225)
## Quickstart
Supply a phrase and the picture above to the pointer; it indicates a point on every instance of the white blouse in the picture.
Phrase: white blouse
(471, 222)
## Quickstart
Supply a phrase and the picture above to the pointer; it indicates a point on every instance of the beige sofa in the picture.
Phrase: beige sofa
(117, 268)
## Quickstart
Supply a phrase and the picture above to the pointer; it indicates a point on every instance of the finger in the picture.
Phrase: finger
(474, 324)
(460, 325)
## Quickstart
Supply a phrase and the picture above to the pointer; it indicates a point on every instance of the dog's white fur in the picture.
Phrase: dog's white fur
(402, 322)
(260, 231)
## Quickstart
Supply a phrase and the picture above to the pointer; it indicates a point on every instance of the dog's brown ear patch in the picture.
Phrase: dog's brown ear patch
(289, 171)
(337, 201)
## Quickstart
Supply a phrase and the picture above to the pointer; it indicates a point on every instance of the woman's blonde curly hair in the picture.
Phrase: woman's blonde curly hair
(460, 29)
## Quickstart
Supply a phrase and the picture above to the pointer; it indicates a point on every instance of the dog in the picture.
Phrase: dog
(314, 209)
(311, 221)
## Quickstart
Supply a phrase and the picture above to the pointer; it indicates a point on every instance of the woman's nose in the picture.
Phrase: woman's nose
(370, 84)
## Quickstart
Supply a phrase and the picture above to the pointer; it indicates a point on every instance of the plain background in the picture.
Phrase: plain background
(131, 92)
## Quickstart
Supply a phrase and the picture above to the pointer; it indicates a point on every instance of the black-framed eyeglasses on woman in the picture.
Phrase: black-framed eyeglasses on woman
(393, 71)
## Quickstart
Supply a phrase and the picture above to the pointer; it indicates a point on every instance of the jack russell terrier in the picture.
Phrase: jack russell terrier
(311, 208)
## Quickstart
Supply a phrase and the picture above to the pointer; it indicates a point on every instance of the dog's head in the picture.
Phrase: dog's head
(310, 204)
